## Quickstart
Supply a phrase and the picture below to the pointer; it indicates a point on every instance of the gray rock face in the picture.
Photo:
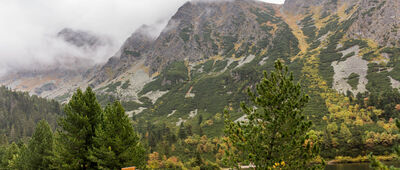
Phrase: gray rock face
(295, 7)
(378, 20)
(133, 49)
(198, 30)
(46, 87)
(344, 69)
(82, 39)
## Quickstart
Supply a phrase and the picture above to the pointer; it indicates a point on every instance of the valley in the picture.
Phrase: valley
(345, 54)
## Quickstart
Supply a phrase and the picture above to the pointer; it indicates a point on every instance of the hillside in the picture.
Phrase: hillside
(19, 113)
(345, 54)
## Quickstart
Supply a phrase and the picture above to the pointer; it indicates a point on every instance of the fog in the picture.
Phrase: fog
(28, 29)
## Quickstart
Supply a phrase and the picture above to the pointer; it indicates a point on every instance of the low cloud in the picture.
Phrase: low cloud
(28, 29)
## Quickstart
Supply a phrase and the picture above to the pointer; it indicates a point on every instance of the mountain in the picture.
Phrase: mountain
(57, 80)
(82, 39)
(345, 54)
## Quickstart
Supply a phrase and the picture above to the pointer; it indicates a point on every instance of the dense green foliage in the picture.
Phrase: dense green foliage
(183, 129)
(377, 165)
(75, 138)
(308, 28)
(19, 113)
(113, 150)
(37, 154)
(353, 80)
(275, 127)
(88, 138)
(171, 76)
(39, 151)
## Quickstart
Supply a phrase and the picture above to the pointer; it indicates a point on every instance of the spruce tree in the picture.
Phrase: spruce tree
(11, 153)
(182, 132)
(274, 134)
(116, 143)
(83, 114)
(39, 151)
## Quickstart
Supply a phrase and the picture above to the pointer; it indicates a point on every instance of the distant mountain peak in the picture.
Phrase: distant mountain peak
(82, 39)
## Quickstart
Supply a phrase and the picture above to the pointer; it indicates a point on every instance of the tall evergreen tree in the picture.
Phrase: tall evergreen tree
(39, 151)
(182, 132)
(75, 139)
(274, 133)
(116, 143)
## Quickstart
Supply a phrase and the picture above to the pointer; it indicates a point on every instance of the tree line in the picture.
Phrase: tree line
(20, 112)
(88, 137)
(274, 135)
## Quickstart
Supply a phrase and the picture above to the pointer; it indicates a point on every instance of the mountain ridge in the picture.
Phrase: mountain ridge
(343, 53)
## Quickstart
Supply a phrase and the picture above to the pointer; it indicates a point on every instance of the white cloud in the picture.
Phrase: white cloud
(27, 27)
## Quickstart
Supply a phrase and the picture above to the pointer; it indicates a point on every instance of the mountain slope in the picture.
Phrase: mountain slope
(345, 53)
(20, 112)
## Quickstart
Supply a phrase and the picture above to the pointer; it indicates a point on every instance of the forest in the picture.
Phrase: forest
(274, 135)
(89, 136)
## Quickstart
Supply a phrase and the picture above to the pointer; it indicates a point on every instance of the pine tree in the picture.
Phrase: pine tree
(11, 153)
(116, 143)
(182, 132)
(274, 134)
(39, 150)
(75, 139)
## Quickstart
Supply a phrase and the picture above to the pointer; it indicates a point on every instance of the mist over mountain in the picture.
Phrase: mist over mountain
(29, 29)
(180, 68)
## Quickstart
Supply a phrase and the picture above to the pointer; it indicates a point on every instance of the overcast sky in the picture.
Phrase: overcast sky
(28, 27)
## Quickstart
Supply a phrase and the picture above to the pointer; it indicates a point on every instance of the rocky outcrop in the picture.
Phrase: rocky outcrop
(134, 48)
(295, 7)
(198, 30)
(222, 30)
(202, 29)
(378, 20)
(82, 39)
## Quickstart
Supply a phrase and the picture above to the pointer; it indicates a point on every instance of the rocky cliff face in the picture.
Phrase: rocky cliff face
(379, 21)
(203, 29)
(135, 48)
(198, 32)
(295, 7)
(230, 31)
